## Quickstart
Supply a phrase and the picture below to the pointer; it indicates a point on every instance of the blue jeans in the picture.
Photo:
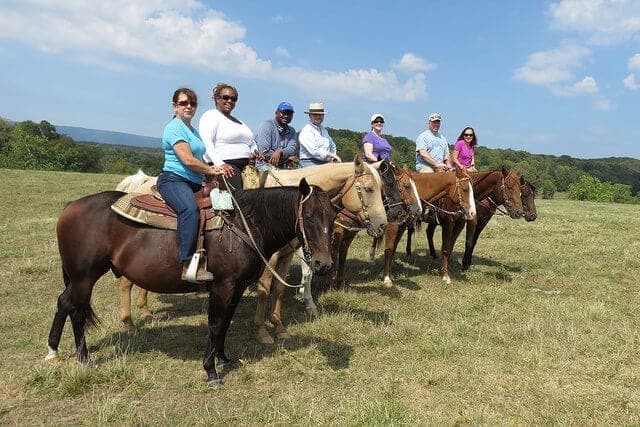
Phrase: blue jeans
(178, 193)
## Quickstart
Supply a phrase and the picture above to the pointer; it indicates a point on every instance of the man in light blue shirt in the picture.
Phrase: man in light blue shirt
(277, 140)
(432, 149)
(316, 145)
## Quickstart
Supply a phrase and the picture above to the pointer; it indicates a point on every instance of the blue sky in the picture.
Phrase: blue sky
(551, 77)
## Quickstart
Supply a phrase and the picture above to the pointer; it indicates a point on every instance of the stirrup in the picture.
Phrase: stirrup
(196, 273)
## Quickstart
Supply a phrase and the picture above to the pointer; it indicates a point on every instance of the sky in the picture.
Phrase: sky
(549, 77)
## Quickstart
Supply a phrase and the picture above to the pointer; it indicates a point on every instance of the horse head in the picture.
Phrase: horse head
(462, 192)
(362, 197)
(313, 226)
(511, 192)
(528, 193)
(408, 190)
(392, 197)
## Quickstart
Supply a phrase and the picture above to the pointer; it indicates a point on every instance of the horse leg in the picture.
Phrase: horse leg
(410, 230)
(277, 293)
(223, 300)
(431, 228)
(264, 288)
(472, 241)
(335, 250)
(392, 234)
(305, 281)
(372, 249)
(141, 303)
(447, 246)
(468, 243)
(342, 257)
(125, 302)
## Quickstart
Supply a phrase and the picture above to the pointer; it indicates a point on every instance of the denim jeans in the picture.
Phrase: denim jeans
(178, 193)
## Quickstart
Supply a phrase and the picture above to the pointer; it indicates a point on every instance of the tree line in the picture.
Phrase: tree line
(30, 145)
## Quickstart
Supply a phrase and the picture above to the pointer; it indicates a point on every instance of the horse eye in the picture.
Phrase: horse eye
(368, 189)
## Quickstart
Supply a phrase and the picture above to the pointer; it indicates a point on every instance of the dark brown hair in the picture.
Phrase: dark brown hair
(474, 141)
(191, 95)
(218, 88)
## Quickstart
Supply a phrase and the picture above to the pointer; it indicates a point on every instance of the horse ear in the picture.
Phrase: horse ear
(357, 161)
(304, 187)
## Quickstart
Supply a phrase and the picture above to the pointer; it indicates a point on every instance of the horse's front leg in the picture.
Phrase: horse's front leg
(264, 289)
(277, 294)
(342, 257)
(141, 302)
(335, 251)
(392, 234)
(431, 228)
(372, 249)
(447, 246)
(305, 289)
(410, 231)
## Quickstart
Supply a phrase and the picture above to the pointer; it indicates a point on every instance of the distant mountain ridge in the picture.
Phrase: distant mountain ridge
(109, 137)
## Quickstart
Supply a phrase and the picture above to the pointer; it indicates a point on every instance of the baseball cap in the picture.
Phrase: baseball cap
(375, 116)
(434, 117)
(284, 106)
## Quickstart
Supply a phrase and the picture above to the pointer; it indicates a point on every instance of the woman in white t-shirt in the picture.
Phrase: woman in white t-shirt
(229, 142)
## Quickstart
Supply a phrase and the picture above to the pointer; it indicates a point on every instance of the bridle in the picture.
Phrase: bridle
(401, 175)
(358, 223)
(460, 211)
(506, 203)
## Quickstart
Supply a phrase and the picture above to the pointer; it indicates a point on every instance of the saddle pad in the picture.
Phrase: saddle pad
(145, 209)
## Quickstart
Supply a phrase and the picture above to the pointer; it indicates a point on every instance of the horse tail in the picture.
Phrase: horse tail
(91, 320)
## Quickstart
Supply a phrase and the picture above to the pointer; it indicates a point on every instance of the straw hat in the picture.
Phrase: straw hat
(316, 108)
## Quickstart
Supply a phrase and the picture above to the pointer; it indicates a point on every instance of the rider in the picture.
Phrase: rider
(182, 175)
(432, 150)
(316, 145)
(277, 140)
(374, 145)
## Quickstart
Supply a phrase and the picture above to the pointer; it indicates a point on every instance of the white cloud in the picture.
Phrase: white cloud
(586, 85)
(412, 63)
(634, 62)
(630, 82)
(282, 52)
(552, 67)
(605, 21)
(603, 105)
(120, 34)
(370, 84)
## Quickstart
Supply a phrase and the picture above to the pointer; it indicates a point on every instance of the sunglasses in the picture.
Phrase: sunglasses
(185, 103)
(378, 121)
(229, 98)
(470, 135)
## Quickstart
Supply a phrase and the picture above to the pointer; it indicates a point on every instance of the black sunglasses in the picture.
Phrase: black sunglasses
(229, 98)
(185, 103)
(467, 134)
(378, 121)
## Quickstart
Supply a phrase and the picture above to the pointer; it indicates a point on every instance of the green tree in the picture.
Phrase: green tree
(548, 189)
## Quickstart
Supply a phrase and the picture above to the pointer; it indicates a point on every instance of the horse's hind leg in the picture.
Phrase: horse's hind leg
(305, 290)
(282, 268)
(264, 289)
(125, 302)
(141, 303)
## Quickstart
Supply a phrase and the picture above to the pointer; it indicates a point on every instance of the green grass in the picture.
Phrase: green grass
(544, 329)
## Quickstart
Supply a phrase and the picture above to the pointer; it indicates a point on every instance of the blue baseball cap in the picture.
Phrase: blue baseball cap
(284, 106)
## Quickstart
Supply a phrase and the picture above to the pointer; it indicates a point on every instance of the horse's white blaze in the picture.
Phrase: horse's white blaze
(416, 195)
(53, 354)
(472, 202)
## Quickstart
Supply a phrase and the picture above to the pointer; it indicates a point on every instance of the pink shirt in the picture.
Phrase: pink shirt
(465, 153)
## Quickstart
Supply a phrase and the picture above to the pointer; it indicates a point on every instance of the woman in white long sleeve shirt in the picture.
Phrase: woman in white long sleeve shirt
(229, 141)
(316, 145)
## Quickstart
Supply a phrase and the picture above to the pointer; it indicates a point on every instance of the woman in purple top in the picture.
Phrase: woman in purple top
(464, 150)
(373, 144)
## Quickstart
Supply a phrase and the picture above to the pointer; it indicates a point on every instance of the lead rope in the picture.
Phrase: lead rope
(255, 245)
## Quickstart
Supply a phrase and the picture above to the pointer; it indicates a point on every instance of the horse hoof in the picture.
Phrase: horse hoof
(283, 334)
(214, 384)
(263, 337)
(387, 283)
(446, 279)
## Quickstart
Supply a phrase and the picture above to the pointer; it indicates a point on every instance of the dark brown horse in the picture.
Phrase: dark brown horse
(486, 210)
(498, 186)
(92, 239)
(431, 188)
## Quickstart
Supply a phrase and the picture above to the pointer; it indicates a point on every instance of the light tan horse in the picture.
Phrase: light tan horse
(361, 195)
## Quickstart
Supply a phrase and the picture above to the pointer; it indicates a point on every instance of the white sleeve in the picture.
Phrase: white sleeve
(208, 128)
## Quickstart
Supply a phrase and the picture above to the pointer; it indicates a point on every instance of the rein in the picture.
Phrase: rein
(442, 194)
(254, 245)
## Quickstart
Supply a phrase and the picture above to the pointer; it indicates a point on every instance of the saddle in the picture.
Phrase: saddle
(151, 210)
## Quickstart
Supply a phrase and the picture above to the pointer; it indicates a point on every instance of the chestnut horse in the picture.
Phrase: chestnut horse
(360, 197)
(486, 210)
(93, 239)
(431, 188)
(498, 186)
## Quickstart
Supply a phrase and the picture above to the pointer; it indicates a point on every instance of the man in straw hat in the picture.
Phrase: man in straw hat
(432, 149)
(316, 145)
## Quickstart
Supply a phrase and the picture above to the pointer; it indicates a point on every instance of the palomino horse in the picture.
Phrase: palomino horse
(431, 188)
(93, 239)
(345, 230)
(361, 197)
(498, 185)
(486, 210)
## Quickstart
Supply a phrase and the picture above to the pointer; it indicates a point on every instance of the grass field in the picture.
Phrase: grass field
(544, 329)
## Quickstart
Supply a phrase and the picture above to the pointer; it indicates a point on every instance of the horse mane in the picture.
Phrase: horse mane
(260, 206)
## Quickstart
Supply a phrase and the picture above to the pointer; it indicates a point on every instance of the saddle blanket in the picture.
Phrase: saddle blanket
(146, 209)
